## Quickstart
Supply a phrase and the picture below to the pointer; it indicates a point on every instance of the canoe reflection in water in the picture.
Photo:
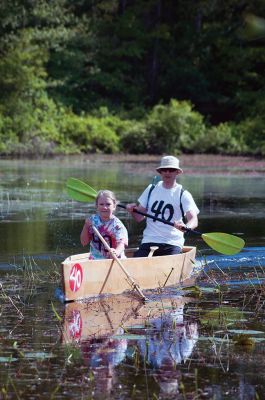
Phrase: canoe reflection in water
(115, 328)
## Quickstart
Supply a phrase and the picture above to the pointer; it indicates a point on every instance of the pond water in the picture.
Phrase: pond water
(206, 342)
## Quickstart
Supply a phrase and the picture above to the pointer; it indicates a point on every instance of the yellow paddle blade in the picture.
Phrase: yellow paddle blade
(224, 243)
(80, 191)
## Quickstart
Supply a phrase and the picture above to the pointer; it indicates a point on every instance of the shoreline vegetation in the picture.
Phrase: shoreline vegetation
(128, 77)
(172, 128)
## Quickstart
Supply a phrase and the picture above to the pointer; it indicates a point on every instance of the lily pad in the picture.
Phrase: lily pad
(243, 340)
(214, 339)
(7, 359)
(139, 326)
(39, 355)
(245, 332)
(129, 337)
(222, 316)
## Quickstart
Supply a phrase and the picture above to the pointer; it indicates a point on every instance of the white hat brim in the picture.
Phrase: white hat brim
(178, 169)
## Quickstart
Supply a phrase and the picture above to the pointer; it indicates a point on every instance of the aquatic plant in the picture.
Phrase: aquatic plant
(33, 272)
(6, 298)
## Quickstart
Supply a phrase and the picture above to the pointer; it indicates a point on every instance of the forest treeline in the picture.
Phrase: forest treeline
(132, 76)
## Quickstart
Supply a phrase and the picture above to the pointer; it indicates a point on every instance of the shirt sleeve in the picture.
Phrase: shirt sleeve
(144, 196)
(121, 233)
(188, 203)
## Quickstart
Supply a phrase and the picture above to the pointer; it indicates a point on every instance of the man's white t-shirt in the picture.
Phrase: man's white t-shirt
(165, 203)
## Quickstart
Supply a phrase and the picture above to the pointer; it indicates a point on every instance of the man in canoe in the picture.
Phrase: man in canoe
(109, 227)
(166, 200)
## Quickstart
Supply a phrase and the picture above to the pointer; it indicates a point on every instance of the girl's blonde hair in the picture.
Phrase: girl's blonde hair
(107, 193)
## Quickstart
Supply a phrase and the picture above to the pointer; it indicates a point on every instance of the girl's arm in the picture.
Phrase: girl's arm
(86, 236)
(119, 249)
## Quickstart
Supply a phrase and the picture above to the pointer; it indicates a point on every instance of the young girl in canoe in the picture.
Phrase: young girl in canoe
(108, 225)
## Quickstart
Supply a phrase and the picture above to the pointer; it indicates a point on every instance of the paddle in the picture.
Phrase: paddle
(131, 280)
(223, 243)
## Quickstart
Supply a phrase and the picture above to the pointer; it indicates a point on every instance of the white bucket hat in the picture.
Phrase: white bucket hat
(169, 162)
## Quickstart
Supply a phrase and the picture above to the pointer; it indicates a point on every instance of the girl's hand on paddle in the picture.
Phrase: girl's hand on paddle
(88, 223)
(86, 234)
(89, 226)
(113, 253)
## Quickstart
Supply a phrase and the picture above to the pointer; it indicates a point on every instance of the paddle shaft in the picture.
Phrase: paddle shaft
(131, 280)
(159, 219)
(221, 242)
(81, 191)
(224, 243)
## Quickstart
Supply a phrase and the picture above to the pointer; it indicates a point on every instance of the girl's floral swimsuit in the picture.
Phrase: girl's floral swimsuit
(113, 232)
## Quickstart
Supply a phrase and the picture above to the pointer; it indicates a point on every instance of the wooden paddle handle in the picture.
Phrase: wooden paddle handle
(131, 280)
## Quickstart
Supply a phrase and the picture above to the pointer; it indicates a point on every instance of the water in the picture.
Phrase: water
(206, 342)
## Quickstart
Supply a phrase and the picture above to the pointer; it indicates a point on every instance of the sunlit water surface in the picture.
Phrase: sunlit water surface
(204, 342)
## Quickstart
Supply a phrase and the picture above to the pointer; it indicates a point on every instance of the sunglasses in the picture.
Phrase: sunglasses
(168, 170)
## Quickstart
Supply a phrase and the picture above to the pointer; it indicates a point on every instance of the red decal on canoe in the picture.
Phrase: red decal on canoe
(75, 325)
(76, 277)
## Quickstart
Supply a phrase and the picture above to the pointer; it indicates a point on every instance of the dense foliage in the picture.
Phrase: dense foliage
(138, 76)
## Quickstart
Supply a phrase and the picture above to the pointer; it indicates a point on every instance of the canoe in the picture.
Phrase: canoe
(103, 317)
(83, 278)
